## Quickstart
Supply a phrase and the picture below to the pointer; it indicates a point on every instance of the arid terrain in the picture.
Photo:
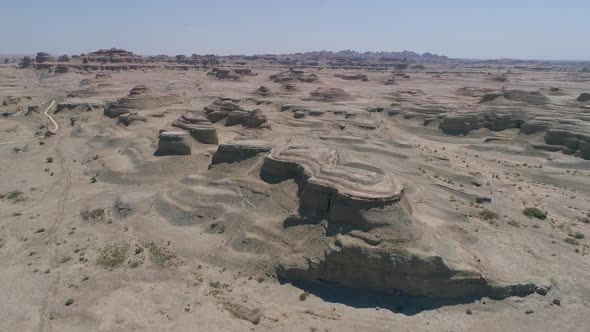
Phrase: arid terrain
(309, 192)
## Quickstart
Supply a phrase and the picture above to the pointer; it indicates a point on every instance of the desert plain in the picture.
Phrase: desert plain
(306, 192)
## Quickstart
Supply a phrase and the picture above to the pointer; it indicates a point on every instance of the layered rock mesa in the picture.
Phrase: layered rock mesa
(495, 120)
(329, 94)
(353, 77)
(173, 143)
(370, 240)
(113, 55)
(571, 135)
(198, 126)
(529, 97)
(43, 57)
(225, 74)
(141, 98)
(104, 59)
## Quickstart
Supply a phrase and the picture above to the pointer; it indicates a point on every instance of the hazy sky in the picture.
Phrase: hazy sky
(527, 29)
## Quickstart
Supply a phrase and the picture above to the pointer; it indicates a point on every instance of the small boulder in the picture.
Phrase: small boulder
(482, 199)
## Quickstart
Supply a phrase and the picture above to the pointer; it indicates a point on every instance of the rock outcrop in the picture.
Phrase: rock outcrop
(43, 57)
(263, 91)
(224, 74)
(113, 55)
(353, 263)
(584, 97)
(529, 97)
(102, 76)
(244, 71)
(301, 111)
(353, 77)
(294, 75)
(173, 143)
(331, 189)
(198, 126)
(389, 81)
(129, 118)
(572, 139)
(329, 94)
(237, 151)
(569, 135)
(461, 124)
(78, 106)
(235, 115)
(61, 69)
(140, 98)
(26, 62)
(371, 238)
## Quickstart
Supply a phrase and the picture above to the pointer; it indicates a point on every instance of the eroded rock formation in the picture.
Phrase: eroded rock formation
(174, 143)
(234, 114)
(199, 127)
(353, 77)
(263, 91)
(329, 94)
(371, 238)
(294, 75)
(43, 57)
(113, 55)
(139, 99)
(456, 124)
(530, 97)
(224, 74)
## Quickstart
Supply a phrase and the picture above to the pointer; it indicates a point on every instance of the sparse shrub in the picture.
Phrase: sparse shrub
(160, 256)
(94, 216)
(239, 311)
(576, 235)
(113, 255)
(14, 196)
(303, 296)
(488, 215)
(571, 241)
(534, 212)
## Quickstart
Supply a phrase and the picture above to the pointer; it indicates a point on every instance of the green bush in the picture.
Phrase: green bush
(303, 296)
(488, 215)
(533, 212)
(576, 235)
(113, 255)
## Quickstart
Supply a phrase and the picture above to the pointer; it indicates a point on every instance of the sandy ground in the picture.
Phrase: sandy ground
(180, 271)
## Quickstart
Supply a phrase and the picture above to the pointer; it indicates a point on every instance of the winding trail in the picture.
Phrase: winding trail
(51, 236)
(55, 127)
(50, 294)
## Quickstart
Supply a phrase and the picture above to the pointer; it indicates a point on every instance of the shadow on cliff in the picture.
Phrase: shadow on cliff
(366, 298)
